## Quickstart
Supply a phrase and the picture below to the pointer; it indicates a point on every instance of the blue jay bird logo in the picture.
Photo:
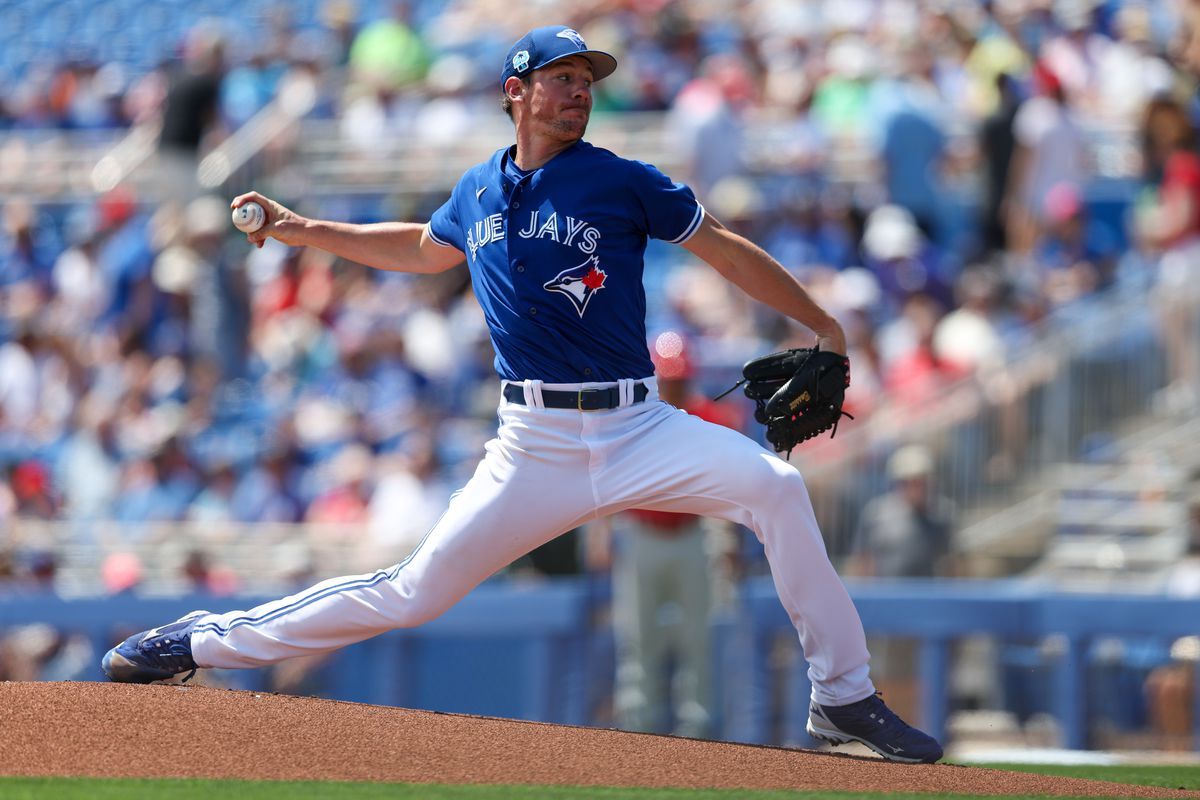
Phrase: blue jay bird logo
(579, 283)
(571, 35)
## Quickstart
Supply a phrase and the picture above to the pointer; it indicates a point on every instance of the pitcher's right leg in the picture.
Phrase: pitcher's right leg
(515, 502)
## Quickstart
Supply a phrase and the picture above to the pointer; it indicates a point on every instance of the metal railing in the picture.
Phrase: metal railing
(317, 159)
(42, 165)
(1147, 489)
(258, 557)
(406, 164)
(1067, 394)
(292, 103)
(126, 157)
(51, 165)
(410, 165)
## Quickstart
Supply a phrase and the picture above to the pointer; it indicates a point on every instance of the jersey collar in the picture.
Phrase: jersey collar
(509, 153)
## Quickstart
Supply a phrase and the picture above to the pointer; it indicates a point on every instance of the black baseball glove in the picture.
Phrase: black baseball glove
(798, 394)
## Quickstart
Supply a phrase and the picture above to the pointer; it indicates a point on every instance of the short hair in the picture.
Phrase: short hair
(505, 102)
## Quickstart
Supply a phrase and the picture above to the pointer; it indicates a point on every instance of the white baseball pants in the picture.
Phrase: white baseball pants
(546, 472)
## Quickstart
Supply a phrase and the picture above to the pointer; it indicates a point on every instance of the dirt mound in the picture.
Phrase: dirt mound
(115, 730)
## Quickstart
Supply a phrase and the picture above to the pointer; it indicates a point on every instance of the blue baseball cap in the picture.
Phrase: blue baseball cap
(543, 46)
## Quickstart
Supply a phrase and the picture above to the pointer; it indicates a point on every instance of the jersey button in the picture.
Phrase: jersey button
(587, 370)
(532, 311)
(516, 205)
(520, 267)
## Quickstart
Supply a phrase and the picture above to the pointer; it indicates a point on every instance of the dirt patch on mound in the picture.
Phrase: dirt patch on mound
(113, 730)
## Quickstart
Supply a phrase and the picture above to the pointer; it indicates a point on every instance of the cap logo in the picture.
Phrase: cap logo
(572, 36)
(521, 61)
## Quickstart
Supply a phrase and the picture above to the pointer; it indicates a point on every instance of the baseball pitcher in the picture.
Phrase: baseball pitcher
(553, 231)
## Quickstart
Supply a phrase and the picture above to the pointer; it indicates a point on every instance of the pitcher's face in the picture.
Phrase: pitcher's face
(558, 102)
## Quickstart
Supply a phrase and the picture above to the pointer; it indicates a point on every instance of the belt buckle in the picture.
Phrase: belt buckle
(579, 398)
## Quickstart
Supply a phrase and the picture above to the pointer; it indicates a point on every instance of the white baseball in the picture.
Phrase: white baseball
(249, 217)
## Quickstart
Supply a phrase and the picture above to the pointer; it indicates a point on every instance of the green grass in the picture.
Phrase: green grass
(1171, 777)
(125, 789)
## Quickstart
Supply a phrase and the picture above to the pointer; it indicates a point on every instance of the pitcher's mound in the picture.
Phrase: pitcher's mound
(98, 729)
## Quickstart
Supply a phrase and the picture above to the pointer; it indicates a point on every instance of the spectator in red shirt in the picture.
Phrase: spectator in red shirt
(1170, 223)
(919, 374)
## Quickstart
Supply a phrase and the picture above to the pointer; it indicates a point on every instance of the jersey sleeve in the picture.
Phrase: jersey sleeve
(670, 209)
(444, 227)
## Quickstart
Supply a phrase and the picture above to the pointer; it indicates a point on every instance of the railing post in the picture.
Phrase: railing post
(383, 654)
(539, 684)
(935, 684)
(1070, 687)
(749, 697)
(1056, 406)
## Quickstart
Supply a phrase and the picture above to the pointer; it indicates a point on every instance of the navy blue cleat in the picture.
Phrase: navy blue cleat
(874, 724)
(154, 655)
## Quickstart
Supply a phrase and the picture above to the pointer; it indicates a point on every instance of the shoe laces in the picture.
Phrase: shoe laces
(878, 712)
(168, 652)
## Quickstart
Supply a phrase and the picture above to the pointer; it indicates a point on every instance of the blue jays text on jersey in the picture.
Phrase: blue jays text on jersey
(555, 256)
(491, 229)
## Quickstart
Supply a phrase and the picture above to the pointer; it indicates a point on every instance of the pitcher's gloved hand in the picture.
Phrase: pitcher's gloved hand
(798, 393)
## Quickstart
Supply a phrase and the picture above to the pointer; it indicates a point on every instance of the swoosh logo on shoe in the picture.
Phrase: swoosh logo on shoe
(894, 749)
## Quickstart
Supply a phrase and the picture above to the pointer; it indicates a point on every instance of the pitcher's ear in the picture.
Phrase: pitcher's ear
(515, 88)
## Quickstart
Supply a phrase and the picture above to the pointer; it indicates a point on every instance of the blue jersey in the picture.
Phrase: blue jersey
(556, 258)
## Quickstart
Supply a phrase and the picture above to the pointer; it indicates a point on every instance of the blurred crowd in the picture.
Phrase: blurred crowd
(155, 368)
(831, 57)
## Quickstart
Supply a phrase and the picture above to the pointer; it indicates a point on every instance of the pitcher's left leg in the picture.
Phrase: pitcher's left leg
(672, 461)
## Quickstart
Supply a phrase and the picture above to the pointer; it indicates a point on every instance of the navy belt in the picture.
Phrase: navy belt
(580, 400)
